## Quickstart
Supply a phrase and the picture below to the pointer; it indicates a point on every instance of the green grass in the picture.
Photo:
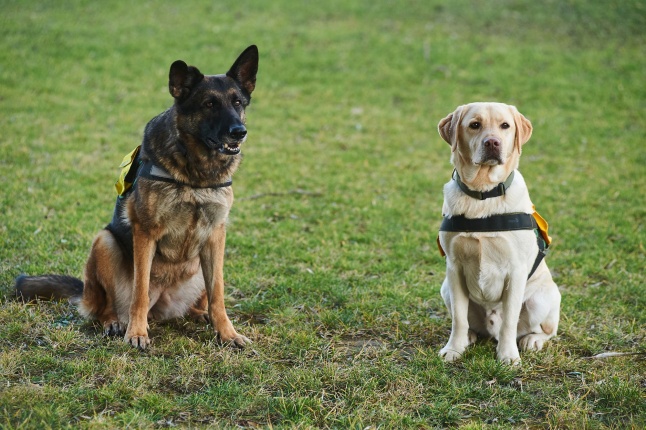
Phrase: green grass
(337, 284)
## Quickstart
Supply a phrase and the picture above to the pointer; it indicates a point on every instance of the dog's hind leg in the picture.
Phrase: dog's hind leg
(199, 311)
(539, 319)
(104, 267)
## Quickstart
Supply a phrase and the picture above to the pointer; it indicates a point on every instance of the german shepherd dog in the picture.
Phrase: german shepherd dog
(162, 254)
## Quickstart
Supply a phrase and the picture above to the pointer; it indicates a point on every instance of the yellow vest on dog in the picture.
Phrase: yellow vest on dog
(123, 184)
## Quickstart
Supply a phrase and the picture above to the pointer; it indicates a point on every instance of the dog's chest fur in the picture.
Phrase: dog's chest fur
(487, 260)
(183, 219)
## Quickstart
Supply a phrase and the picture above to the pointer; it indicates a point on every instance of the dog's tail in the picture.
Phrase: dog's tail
(49, 287)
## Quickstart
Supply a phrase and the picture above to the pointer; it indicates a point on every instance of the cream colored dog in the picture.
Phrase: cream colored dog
(486, 289)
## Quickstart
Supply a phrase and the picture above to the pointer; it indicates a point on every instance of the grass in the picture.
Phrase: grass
(331, 264)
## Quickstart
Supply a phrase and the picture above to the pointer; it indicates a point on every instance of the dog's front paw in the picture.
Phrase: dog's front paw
(138, 340)
(510, 361)
(454, 349)
(449, 355)
(509, 355)
(235, 339)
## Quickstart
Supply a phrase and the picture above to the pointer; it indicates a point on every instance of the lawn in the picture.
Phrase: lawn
(331, 268)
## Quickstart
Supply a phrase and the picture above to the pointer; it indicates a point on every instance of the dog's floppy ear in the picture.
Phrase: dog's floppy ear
(523, 128)
(182, 79)
(245, 68)
(448, 128)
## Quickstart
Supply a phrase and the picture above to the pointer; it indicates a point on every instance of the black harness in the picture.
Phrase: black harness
(121, 230)
(495, 223)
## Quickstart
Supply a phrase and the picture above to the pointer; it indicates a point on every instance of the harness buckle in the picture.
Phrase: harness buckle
(502, 190)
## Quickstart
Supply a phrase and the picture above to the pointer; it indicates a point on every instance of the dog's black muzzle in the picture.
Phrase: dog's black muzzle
(229, 144)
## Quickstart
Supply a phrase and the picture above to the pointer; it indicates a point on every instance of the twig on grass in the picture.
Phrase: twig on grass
(610, 354)
(286, 193)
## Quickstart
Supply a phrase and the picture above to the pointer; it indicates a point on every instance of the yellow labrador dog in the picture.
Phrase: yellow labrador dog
(496, 284)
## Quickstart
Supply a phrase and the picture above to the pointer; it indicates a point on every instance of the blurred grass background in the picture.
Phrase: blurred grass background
(331, 263)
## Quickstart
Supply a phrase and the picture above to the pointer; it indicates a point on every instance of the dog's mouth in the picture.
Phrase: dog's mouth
(225, 148)
(229, 148)
(491, 161)
(489, 158)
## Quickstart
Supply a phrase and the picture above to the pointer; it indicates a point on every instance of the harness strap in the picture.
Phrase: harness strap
(542, 252)
(494, 223)
(504, 222)
(149, 170)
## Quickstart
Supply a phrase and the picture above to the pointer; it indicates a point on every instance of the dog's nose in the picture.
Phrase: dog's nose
(492, 143)
(238, 132)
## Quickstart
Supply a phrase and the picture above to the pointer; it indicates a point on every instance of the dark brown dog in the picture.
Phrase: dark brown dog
(162, 255)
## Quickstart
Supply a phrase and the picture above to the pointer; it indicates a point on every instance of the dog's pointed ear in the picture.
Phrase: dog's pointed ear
(182, 79)
(245, 68)
(523, 128)
(448, 127)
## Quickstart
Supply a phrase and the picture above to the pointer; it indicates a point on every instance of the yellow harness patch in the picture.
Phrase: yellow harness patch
(123, 184)
(542, 226)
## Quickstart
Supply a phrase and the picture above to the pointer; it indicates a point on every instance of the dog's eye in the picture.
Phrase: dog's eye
(504, 126)
(474, 125)
(208, 105)
(237, 102)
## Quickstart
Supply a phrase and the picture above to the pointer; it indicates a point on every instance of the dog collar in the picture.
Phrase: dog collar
(497, 191)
